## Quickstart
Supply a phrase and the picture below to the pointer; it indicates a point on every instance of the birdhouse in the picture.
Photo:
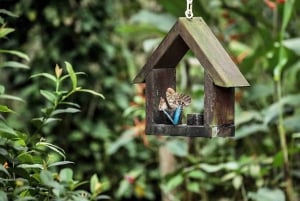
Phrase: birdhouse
(221, 76)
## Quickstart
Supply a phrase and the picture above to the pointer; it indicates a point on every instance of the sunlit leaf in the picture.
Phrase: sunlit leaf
(66, 175)
(237, 181)
(103, 197)
(46, 178)
(16, 53)
(197, 174)
(30, 166)
(3, 196)
(5, 31)
(4, 108)
(72, 75)
(7, 129)
(53, 147)
(10, 97)
(211, 168)
(95, 185)
(59, 163)
(47, 75)
(193, 187)
(92, 92)
(14, 64)
(70, 104)
(175, 181)
(296, 135)
(65, 111)
(48, 95)
(67, 76)
(51, 120)
(266, 194)
(293, 44)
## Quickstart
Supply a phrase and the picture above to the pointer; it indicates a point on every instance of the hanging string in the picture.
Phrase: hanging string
(189, 9)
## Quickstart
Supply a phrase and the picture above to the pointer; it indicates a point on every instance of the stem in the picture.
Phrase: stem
(284, 148)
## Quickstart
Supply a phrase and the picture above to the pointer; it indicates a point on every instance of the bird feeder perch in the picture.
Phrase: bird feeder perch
(221, 76)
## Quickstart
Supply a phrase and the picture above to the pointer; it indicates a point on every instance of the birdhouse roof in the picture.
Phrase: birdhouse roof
(195, 35)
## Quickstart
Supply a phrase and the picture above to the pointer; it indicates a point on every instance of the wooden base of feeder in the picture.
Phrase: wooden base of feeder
(191, 130)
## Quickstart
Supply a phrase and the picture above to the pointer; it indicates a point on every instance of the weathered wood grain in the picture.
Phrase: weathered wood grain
(210, 53)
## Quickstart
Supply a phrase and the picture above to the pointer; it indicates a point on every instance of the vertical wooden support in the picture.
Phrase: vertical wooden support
(158, 80)
(219, 108)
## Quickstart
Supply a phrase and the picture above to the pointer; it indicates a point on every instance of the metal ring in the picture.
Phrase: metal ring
(189, 14)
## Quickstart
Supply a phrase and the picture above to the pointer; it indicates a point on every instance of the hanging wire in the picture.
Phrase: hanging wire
(189, 9)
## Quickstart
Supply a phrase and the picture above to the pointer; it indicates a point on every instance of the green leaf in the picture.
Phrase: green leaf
(8, 13)
(2, 89)
(46, 178)
(60, 163)
(124, 189)
(7, 129)
(211, 168)
(3, 196)
(94, 184)
(103, 197)
(66, 76)
(72, 75)
(41, 121)
(70, 104)
(5, 31)
(16, 53)
(64, 111)
(266, 194)
(66, 175)
(4, 152)
(293, 44)
(237, 182)
(30, 166)
(125, 139)
(10, 97)
(251, 129)
(4, 108)
(14, 64)
(175, 181)
(48, 95)
(287, 13)
(2, 169)
(296, 135)
(47, 75)
(53, 147)
(197, 174)
(193, 187)
(92, 92)
(51, 120)
(278, 159)
(177, 147)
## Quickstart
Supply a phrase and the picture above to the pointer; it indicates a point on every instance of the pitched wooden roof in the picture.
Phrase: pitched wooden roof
(195, 35)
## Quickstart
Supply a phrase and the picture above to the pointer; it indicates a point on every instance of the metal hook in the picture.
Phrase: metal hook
(189, 9)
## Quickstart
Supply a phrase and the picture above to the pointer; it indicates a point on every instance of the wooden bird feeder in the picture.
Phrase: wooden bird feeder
(221, 76)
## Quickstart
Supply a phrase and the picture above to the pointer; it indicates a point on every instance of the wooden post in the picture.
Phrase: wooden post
(157, 81)
(219, 108)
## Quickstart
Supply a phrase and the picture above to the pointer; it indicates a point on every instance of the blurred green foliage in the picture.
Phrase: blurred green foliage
(27, 159)
(110, 41)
